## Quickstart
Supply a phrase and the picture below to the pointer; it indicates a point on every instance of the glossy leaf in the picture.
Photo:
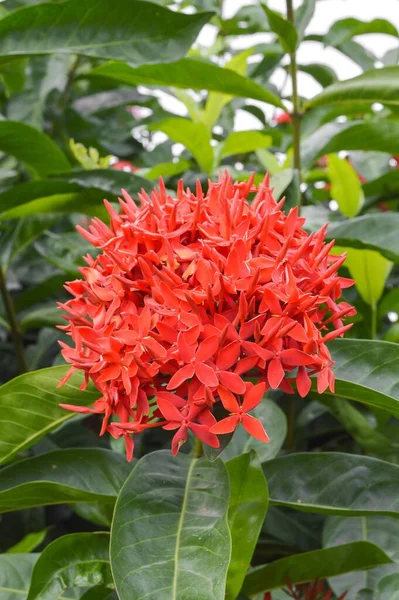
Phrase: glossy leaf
(373, 232)
(345, 186)
(317, 564)
(63, 476)
(321, 73)
(377, 85)
(247, 511)
(285, 30)
(303, 16)
(381, 531)
(194, 136)
(135, 31)
(188, 73)
(275, 423)
(31, 147)
(334, 483)
(381, 136)
(20, 235)
(76, 560)
(241, 142)
(366, 371)
(172, 514)
(15, 573)
(30, 407)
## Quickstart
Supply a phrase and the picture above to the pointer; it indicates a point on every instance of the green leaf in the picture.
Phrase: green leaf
(12, 75)
(75, 560)
(241, 142)
(20, 235)
(376, 232)
(15, 573)
(43, 316)
(381, 531)
(347, 28)
(280, 182)
(317, 564)
(334, 483)
(366, 371)
(247, 510)
(268, 161)
(285, 30)
(216, 102)
(303, 16)
(275, 423)
(194, 136)
(63, 476)
(321, 73)
(172, 514)
(356, 52)
(30, 404)
(381, 136)
(29, 542)
(345, 186)
(370, 271)
(388, 587)
(136, 31)
(386, 184)
(31, 147)
(378, 85)
(168, 169)
(107, 180)
(188, 73)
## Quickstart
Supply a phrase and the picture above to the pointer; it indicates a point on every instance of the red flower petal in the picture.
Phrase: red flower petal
(228, 356)
(303, 382)
(226, 425)
(228, 399)
(169, 410)
(232, 382)
(206, 375)
(295, 358)
(202, 432)
(207, 349)
(275, 373)
(253, 397)
(255, 428)
(181, 376)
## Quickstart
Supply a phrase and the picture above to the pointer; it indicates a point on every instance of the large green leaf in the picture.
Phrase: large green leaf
(334, 483)
(247, 510)
(345, 185)
(381, 136)
(30, 407)
(378, 85)
(370, 271)
(317, 564)
(20, 235)
(170, 532)
(63, 476)
(76, 560)
(285, 30)
(372, 232)
(367, 371)
(241, 142)
(135, 31)
(275, 423)
(194, 136)
(15, 573)
(381, 531)
(31, 146)
(187, 73)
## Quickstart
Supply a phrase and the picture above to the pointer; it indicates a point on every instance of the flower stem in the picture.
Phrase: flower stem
(14, 327)
(296, 113)
(198, 449)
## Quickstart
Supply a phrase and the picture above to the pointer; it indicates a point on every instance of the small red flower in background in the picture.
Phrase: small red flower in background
(191, 294)
(317, 590)
(124, 165)
(282, 118)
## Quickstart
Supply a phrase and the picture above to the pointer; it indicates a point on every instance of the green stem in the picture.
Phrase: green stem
(296, 113)
(14, 326)
(198, 449)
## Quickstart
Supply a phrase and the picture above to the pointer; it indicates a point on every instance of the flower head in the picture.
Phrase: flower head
(192, 297)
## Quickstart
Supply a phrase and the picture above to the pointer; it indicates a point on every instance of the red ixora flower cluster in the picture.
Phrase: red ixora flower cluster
(193, 297)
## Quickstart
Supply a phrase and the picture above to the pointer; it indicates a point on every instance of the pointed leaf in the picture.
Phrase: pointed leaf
(345, 186)
(30, 403)
(186, 538)
(241, 142)
(77, 560)
(63, 476)
(317, 564)
(135, 31)
(285, 30)
(247, 511)
(188, 73)
(15, 574)
(370, 271)
(334, 483)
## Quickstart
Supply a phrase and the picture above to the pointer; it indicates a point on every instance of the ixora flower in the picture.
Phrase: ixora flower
(191, 299)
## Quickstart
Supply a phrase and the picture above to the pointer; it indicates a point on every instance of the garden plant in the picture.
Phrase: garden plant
(198, 320)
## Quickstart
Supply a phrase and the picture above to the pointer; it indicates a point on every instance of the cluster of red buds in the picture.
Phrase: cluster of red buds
(282, 118)
(193, 298)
